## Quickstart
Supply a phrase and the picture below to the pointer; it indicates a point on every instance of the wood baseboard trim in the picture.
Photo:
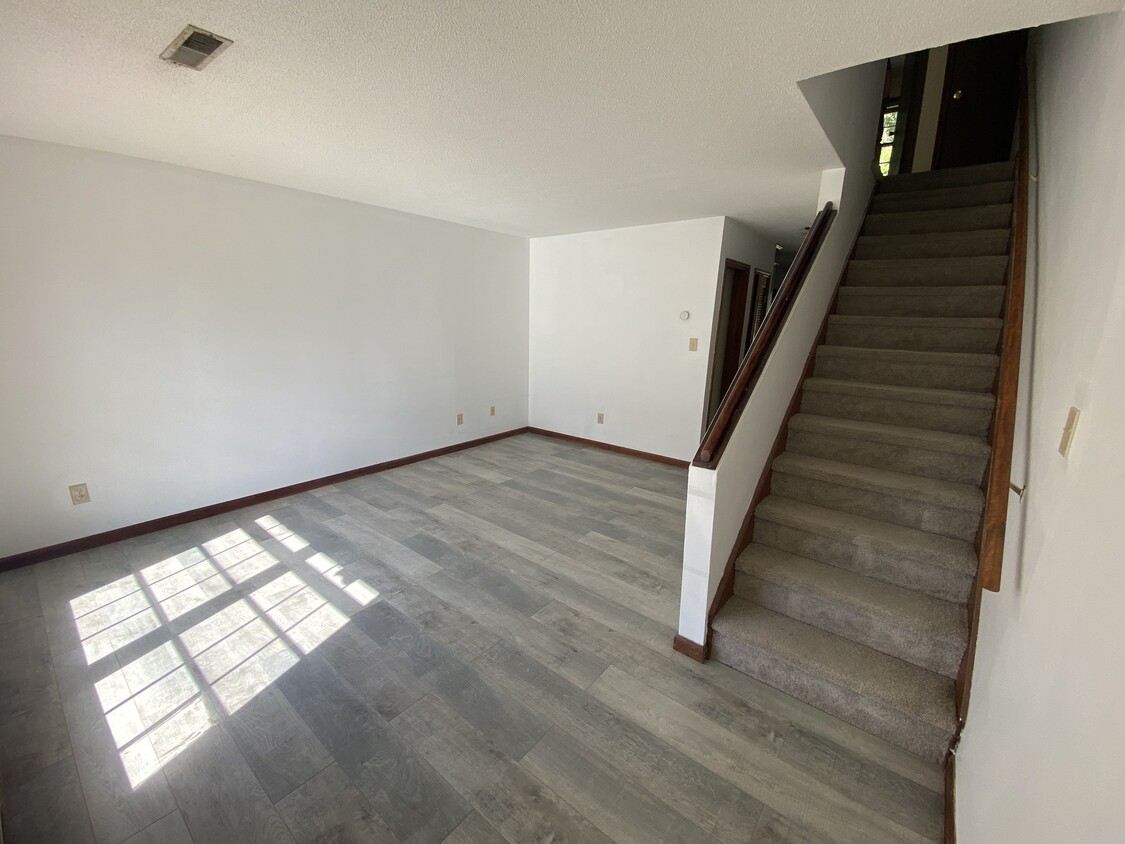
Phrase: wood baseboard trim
(96, 540)
(687, 647)
(619, 449)
(950, 832)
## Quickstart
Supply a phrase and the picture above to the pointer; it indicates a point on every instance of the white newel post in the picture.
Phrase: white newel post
(699, 530)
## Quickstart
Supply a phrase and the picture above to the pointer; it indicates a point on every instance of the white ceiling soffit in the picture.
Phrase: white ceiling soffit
(533, 117)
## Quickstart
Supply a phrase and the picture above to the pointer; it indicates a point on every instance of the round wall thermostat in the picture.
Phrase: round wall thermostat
(685, 314)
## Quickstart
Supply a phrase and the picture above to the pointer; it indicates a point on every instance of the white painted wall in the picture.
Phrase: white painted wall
(744, 244)
(933, 90)
(176, 338)
(606, 333)
(1041, 757)
(747, 246)
(847, 104)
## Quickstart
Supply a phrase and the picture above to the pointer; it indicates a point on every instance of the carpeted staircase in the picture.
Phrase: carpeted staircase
(852, 595)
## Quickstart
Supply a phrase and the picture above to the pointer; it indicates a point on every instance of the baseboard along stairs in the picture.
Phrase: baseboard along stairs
(852, 593)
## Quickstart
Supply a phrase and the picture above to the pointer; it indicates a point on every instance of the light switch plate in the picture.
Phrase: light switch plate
(693, 344)
(1068, 431)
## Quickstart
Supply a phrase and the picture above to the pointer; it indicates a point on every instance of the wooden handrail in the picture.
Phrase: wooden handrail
(718, 432)
(996, 486)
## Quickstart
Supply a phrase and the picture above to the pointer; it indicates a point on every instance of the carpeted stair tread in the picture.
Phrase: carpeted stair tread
(957, 270)
(879, 432)
(931, 334)
(976, 174)
(909, 625)
(967, 196)
(942, 552)
(886, 300)
(913, 501)
(970, 371)
(900, 448)
(917, 357)
(905, 704)
(996, 216)
(879, 399)
(857, 291)
(945, 323)
(950, 494)
(934, 244)
(893, 392)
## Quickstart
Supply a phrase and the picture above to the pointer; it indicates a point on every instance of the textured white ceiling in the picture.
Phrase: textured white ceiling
(527, 116)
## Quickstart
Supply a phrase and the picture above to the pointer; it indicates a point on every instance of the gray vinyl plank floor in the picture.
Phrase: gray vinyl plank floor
(476, 648)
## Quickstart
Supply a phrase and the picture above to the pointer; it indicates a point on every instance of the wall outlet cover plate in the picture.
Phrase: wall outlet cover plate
(1068, 431)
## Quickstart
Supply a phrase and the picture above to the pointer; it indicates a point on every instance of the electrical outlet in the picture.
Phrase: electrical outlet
(460, 418)
(693, 344)
(79, 494)
(492, 410)
(601, 418)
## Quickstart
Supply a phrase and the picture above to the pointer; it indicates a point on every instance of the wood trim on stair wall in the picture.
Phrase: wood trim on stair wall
(990, 537)
(950, 801)
(1002, 433)
(998, 476)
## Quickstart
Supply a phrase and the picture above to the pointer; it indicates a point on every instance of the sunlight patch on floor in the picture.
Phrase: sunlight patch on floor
(159, 703)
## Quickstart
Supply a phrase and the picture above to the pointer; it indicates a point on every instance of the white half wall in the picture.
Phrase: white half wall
(606, 332)
(176, 338)
(847, 104)
(1041, 756)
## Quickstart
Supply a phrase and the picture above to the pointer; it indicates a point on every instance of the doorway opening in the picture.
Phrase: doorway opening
(950, 106)
(745, 299)
(979, 101)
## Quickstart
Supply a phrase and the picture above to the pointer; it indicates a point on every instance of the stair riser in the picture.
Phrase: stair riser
(898, 458)
(908, 512)
(969, 378)
(1000, 171)
(950, 220)
(911, 571)
(938, 304)
(961, 245)
(981, 271)
(898, 728)
(859, 624)
(952, 418)
(990, 193)
(914, 338)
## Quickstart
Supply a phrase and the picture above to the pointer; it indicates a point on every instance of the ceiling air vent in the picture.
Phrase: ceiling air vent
(195, 47)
